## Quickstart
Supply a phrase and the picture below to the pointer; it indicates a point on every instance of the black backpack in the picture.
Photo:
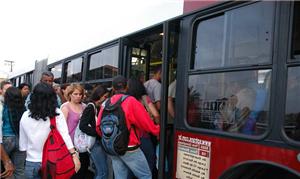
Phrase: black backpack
(115, 134)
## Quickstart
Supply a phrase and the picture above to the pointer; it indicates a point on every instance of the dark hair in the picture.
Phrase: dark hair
(97, 93)
(64, 86)
(47, 73)
(136, 88)
(119, 82)
(3, 83)
(157, 69)
(14, 100)
(43, 102)
(22, 85)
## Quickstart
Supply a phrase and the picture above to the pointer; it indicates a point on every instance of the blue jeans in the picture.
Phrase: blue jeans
(11, 146)
(99, 159)
(134, 161)
(32, 170)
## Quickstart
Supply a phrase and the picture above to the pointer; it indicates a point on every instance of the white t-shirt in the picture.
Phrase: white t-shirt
(33, 134)
(153, 88)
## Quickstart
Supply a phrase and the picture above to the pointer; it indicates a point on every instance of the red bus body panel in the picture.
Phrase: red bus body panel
(226, 153)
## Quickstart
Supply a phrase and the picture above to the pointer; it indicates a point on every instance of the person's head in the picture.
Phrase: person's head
(157, 73)
(136, 88)
(63, 87)
(75, 93)
(43, 102)
(25, 89)
(119, 84)
(13, 98)
(99, 94)
(57, 88)
(4, 85)
(47, 77)
(140, 75)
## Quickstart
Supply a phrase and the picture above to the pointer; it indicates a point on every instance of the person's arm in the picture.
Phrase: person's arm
(157, 96)
(157, 105)
(8, 165)
(86, 120)
(171, 110)
(154, 113)
(75, 157)
(65, 111)
(64, 132)
(141, 118)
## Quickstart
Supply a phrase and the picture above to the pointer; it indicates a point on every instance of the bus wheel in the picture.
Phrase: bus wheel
(259, 171)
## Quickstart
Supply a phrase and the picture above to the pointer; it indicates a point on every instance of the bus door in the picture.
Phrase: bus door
(143, 53)
(168, 99)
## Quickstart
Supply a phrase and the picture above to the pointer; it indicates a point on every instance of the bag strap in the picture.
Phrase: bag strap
(110, 107)
(144, 101)
(52, 123)
(95, 109)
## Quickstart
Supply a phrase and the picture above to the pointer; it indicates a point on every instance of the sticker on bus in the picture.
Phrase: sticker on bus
(193, 158)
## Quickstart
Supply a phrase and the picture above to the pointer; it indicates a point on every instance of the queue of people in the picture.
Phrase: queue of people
(25, 121)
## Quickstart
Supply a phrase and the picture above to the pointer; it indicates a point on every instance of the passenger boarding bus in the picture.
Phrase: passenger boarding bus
(237, 72)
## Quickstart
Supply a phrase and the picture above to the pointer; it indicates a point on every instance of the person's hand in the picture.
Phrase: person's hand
(76, 162)
(9, 169)
(245, 112)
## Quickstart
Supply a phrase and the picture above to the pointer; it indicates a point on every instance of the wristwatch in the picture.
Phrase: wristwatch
(75, 153)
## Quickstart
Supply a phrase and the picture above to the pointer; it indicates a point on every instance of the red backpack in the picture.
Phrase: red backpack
(57, 163)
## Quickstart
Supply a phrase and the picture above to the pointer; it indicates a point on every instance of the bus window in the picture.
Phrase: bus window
(103, 64)
(235, 102)
(74, 70)
(56, 70)
(248, 38)
(296, 32)
(29, 78)
(292, 110)
(138, 63)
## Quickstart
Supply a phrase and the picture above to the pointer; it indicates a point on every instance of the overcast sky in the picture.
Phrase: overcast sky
(55, 29)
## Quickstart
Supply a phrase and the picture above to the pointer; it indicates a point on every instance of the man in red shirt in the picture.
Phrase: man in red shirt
(137, 116)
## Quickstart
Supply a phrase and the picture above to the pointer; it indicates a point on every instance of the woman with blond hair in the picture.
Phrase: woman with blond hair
(72, 110)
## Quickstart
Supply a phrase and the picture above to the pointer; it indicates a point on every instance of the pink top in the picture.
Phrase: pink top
(73, 120)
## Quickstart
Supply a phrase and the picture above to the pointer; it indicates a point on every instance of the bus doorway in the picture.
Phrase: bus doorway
(143, 53)
(147, 53)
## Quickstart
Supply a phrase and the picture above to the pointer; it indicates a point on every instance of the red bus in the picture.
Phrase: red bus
(237, 71)
(237, 104)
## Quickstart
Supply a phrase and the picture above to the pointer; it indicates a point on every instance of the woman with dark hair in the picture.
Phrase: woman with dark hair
(25, 90)
(13, 109)
(88, 126)
(35, 127)
(137, 90)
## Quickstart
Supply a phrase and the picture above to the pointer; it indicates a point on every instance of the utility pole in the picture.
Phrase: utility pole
(10, 63)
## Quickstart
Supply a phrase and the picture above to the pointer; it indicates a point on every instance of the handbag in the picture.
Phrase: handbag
(82, 141)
